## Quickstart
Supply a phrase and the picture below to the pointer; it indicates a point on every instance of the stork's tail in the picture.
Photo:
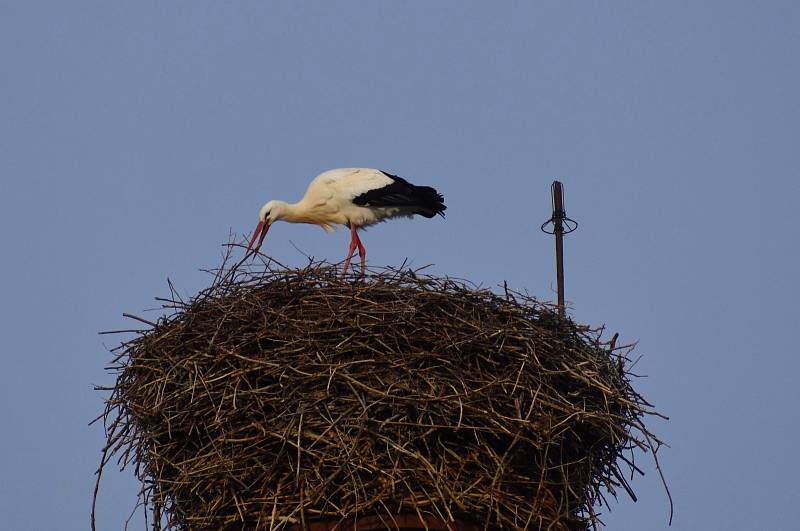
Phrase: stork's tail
(422, 200)
(427, 201)
(430, 201)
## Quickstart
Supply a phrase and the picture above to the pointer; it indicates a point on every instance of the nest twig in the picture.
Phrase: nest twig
(279, 397)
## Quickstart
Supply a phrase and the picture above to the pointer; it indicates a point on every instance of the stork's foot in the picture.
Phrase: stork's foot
(344, 269)
(346, 265)
(362, 254)
(362, 271)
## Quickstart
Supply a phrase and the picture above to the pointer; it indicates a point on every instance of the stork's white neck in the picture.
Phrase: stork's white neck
(301, 212)
(292, 212)
(281, 210)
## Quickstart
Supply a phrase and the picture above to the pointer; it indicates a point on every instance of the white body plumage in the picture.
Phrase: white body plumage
(355, 197)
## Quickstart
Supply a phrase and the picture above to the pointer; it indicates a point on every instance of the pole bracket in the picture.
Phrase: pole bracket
(559, 214)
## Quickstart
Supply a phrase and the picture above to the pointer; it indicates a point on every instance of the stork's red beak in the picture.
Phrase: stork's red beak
(260, 233)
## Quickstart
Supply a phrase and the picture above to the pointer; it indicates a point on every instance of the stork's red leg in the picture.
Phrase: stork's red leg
(354, 241)
(362, 252)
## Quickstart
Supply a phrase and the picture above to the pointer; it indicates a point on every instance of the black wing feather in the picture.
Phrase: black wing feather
(424, 200)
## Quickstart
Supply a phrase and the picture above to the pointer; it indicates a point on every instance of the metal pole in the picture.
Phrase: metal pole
(558, 226)
(561, 225)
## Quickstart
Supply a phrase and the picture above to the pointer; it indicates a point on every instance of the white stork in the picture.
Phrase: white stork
(354, 197)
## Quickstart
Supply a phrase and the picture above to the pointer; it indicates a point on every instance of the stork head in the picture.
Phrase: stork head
(269, 213)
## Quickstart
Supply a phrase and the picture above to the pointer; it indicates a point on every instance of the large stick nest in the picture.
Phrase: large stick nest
(283, 397)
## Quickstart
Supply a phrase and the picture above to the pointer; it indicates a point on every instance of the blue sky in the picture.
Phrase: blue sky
(135, 136)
